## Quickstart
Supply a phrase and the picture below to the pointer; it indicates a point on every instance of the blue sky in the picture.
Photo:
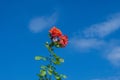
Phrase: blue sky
(93, 28)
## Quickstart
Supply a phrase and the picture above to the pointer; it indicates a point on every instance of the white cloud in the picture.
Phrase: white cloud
(104, 28)
(114, 56)
(94, 38)
(83, 43)
(40, 23)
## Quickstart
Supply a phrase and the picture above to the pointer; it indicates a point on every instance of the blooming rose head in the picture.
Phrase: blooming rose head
(55, 32)
(63, 40)
(58, 39)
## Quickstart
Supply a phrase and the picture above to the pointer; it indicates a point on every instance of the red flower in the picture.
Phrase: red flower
(55, 32)
(63, 40)
(57, 37)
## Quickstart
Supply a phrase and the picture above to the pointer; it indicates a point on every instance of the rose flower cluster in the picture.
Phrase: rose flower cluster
(58, 39)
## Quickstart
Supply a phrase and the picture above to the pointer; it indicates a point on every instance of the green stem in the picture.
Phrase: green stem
(51, 54)
(49, 49)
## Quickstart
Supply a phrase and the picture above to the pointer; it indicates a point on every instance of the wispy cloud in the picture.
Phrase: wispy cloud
(40, 23)
(114, 56)
(104, 28)
(83, 43)
(94, 38)
(94, 35)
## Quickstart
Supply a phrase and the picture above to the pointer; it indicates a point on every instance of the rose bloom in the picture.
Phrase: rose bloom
(55, 32)
(63, 40)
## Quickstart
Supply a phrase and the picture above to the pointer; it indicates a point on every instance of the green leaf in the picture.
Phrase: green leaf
(43, 67)
(63, 76)
(61, 60)
(55, 73)
(57, 77)
(42, 72)
(50, 71)
(40, 58)
(58, 46)
(56, 62)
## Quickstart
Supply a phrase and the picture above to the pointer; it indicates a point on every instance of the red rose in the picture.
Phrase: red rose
(63, 40)
(55, 32)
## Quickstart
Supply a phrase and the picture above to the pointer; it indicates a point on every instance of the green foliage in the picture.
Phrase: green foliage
(42, 72)
(43, 67)
(40, 58)
(63, 76)
(61, 60)
(49, 70)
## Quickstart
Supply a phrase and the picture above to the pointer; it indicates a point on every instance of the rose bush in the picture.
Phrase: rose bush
(48, 72)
